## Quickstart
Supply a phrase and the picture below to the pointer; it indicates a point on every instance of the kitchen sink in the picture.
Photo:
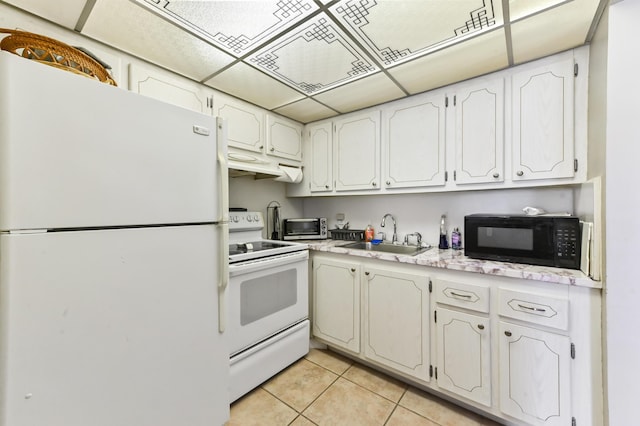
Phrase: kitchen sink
(387, 248)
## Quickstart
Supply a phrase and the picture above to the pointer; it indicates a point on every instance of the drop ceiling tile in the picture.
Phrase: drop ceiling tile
(368, 91)
(314, 57)
(553, 31)
(129, 27)
(474, 57)
(237, 27)
(519, 9)
(306, 111)
(247, 83)
(62, 12)
(401, 30)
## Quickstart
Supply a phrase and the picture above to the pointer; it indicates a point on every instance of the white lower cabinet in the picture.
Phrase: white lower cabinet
(336, 302)
(464, 355)
(534, 375)
(396, 319)
(515, 349)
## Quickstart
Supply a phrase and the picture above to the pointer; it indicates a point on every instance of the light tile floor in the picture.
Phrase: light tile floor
(325, 388)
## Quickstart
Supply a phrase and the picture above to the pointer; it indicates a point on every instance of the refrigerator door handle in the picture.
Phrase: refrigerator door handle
(221, 138)
(223, 279)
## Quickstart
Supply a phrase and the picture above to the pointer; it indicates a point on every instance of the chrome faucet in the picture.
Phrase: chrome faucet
(415, 234)
(394, 239)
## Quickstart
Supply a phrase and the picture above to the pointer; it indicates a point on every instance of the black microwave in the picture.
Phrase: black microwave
(314, 228)
(535, 240)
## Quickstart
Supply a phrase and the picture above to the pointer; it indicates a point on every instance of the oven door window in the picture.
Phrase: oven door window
(264, 296)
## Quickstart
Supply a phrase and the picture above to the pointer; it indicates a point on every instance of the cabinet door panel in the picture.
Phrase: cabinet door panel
(543, 122)
(336, 303)
(534, 378)
(168, 88)
(321, 140)
(357, 152)
(245, 124)
(284, 138)
(414, 144)
(480, 133)
(464, 355)
(396, 324)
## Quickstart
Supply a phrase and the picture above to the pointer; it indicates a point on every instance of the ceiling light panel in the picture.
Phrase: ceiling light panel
(519, 9)
(314, 57)
(237, 27)
(396, 31)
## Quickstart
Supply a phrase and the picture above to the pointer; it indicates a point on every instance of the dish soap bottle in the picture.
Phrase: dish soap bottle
(369, 233)
(456, 239)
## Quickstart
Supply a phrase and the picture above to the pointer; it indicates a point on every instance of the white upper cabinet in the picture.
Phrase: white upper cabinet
(479, 131)
(245, 123)
(413, 140)
(543, 121)
(284, 138)
(321, 161)
(357, 152)
(169, 88)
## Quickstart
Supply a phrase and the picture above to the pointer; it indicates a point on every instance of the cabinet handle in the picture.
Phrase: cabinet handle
(481, 327)
(326, 186)
(261, 147)
(272, 149)
(520, 173)
(507, 333)
(388, 183)
(496, 175)
(366, 273)
(466, 296)
(374, 184)
(353, 269)
(530, 308)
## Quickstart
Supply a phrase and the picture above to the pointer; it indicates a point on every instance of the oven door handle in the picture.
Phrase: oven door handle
(269, 262)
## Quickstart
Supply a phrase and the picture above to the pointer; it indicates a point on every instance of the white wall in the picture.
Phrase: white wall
(622, 212)
(421, 212)
(622, 205)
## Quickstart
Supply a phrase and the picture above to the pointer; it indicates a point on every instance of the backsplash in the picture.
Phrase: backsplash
(421, 212)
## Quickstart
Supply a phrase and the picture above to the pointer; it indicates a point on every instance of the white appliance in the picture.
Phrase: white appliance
(113, 249)
(268, 326)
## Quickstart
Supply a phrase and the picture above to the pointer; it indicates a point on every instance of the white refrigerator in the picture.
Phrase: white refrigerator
(113, 254)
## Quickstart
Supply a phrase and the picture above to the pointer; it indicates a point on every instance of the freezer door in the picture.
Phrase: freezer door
(112, 328)
(78, 153)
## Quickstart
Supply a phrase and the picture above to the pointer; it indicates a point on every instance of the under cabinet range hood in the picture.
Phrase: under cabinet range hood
(243, 163)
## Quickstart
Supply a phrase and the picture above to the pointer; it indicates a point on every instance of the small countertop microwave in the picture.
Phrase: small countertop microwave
(313, 228)
(535, 240)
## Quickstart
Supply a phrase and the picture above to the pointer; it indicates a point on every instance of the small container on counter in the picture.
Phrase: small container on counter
(456, 239)
(369, 233)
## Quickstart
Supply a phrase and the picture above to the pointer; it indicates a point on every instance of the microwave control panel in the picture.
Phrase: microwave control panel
(567, 245)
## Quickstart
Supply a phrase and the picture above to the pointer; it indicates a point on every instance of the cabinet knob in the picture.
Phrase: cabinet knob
(272, 149)
(261, 147)
(520, 173)
(388, 183)
(374, 184)
(353, 269)
(326, 186)
(481, 327)
(496, 175)
(366, 273)
(507, 333)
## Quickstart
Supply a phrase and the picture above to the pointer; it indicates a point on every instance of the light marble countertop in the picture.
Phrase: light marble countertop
(456, 260)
